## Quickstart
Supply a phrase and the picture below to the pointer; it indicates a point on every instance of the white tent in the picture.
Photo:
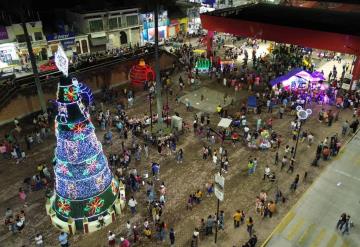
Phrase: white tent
(225, 123)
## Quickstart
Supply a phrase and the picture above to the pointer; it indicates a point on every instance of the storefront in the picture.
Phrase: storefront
(194, 22)
(8, 55)
(82, 44)
(40, 49)
(149, 30)
(177, 26)
(98, 41)
(66, 40)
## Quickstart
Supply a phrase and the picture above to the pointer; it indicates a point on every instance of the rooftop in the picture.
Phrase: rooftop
(307, 18)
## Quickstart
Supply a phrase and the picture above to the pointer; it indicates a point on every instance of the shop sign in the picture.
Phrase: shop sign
(219, 193)
(3, 33)
(59, 36)
(67, 44)
(220, 180)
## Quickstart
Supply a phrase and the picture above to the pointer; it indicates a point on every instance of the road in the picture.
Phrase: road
(311, 222)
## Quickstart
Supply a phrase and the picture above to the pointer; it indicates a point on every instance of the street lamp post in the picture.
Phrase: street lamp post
(302, 115)
(151, 114)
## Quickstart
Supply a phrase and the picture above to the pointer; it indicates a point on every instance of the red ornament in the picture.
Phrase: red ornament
(141, 72)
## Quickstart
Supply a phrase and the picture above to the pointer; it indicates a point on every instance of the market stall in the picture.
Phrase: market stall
(303, 82)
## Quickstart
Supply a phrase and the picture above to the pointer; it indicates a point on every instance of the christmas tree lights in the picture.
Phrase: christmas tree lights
(84, 184)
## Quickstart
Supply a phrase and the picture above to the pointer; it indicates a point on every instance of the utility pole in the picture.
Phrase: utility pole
(157, 68)
(34, 66)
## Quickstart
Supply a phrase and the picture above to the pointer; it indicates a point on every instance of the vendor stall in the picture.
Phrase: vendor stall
(308, 85)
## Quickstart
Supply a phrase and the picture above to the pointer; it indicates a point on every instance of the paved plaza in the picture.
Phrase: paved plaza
(212, 98)
(311, 222)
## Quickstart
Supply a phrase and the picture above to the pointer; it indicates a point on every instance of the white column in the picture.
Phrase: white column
(130, 37)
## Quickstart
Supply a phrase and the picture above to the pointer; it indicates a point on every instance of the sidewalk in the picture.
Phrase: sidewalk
(311, 222)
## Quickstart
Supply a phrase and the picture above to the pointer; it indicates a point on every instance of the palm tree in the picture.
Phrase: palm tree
(154, 6)
(19, 9)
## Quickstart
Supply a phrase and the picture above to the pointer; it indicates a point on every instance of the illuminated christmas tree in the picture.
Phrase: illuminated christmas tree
(84, 187)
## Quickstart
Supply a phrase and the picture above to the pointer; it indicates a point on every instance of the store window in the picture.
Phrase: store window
(78, 48)
(113, 23)
(132, 20)
(20, 38)
(96, 26)
(84, 46)
(120, 22)
(38, 36)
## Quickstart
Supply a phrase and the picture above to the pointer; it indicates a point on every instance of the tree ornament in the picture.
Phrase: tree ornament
(94, 206)
(64, 206)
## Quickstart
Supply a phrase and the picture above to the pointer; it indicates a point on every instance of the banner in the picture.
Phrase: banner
(3, 33)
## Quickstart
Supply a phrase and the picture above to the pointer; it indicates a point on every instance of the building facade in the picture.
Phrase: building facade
(107, 29)
(13, 48)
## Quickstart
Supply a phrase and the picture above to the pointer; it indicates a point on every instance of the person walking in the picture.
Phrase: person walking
(250, 225)
(172, 237)
(237, 218)
(341, 221)
(63, 239)
(294, 184)
(346, 226)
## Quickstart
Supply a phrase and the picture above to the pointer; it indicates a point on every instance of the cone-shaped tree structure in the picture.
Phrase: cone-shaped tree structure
(85, 186)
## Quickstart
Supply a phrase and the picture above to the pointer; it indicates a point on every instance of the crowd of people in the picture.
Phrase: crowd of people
(140, 145)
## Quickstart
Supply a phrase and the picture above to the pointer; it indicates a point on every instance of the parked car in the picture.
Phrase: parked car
(49, 66)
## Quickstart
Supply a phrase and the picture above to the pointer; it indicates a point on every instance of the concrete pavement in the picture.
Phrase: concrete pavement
(311, 222)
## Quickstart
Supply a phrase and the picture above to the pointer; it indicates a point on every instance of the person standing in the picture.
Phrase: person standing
(276, 158)
(124, 242)
(146, 150)
(22, 196)
(281, 111)
(39, 240)
(111, 239)
(132, 204)
(250, 167)
(172, 237)
(63, 239)
(155, 168)
(179, 156)
(209, 225)
(266, 172)
(221, 220)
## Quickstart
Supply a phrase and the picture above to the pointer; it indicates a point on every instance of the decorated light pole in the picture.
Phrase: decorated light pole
(302, 116)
